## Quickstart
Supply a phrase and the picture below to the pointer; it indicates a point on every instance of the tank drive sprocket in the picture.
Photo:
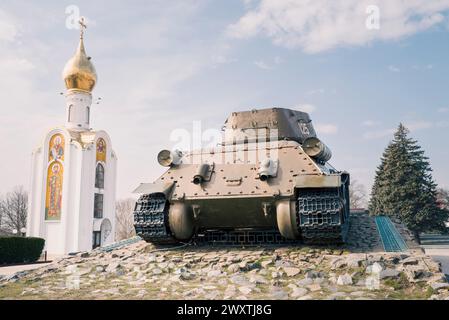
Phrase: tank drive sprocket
(151, 219)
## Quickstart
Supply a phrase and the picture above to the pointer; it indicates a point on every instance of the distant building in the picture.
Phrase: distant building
(359, 211)
(73, 185)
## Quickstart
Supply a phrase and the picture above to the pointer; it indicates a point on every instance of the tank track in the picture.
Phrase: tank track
(151, 219)
(322, 215)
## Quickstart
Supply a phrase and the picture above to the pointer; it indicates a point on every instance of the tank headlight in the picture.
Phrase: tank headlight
(268, 168)
(201, 173)
(315, 148)
(167, 158)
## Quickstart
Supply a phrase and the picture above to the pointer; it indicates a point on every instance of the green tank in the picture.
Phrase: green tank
(269, 180)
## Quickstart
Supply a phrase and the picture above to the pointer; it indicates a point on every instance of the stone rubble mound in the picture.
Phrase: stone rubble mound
(141, 271)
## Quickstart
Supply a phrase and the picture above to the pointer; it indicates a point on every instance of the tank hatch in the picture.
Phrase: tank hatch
(276, 123)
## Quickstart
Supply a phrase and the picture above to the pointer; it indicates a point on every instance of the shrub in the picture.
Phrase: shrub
(20, 250)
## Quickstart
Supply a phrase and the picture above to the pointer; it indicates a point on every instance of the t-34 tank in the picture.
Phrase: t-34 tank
(268, 181)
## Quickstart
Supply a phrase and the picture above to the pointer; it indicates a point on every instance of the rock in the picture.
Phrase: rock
(279, 294)
(100, 269)
(283, 263)
(291, 271)
(304, 282)
(357, 293)
(409, 261)
(243, 265)
(355, 261)
(187, 275)
(212, 295)
(257, 279)
(266, 263)
(214, 273)
(263, 272)
(112, 267)
(298, 292)
(344, 280)
(314, 275)
(236, 259)
(233, 268)
(314, 287)
(439, 285)
(336, 295)
(276, 275)
(157, 271)
(375, 268)
(416, 273)
(338, 263)
(240, 279)
(84, 254)
(389, 273)
(306, 297)
(245, 290)
(333, 279)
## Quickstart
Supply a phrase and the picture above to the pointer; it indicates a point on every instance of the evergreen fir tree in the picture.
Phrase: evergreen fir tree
(404, 187)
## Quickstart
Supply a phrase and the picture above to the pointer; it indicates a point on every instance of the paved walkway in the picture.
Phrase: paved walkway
(7, 271)
(441, 255)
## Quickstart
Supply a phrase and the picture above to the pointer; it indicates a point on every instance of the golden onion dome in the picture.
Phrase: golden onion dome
(79, 72)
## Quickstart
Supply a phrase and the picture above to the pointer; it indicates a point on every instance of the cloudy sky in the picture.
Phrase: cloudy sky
(164, 64)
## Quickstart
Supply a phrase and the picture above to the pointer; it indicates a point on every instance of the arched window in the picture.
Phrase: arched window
(99, 176)
(70, 112)
(87, 115)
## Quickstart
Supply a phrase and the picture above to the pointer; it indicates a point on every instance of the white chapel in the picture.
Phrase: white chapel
(73, 183)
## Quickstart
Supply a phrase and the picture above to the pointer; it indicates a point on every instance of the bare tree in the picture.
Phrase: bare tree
(443, 198)
(124, 219)
(13, 210)
(357, 195)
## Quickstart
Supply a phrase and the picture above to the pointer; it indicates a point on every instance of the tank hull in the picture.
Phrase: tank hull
(245, 186)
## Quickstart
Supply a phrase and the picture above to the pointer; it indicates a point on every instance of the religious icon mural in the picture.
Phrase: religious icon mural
(53, 199)
(56, 151)
(101, 150)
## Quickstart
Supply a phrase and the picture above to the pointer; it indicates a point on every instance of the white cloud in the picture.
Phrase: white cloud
(268, 66)
(442, 124)
(326, 128)
(370, 123)
(316, 91)
(443, 110)
(262, 65)
(309, 108)
(8, 28)
(319, 25)
(418, 125)
(423, 68)
(278, 60)
(412, 126)
(378, 134)
(393, 68)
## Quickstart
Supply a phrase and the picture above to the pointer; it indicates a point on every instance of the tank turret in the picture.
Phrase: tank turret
(276, 123)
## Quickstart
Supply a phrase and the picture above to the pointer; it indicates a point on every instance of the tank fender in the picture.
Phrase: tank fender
(181, 221)
(155, 187)
(318, 181)
(286, 219)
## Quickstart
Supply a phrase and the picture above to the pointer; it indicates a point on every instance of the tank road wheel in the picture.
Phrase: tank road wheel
(181, 221)
(286, 219)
